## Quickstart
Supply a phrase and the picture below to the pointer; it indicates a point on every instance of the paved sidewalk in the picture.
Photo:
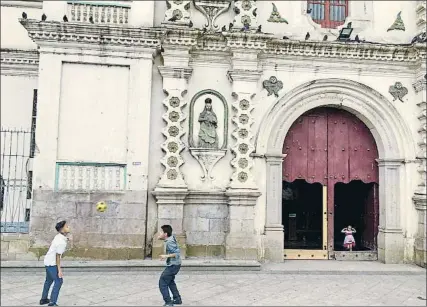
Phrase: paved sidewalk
(291, 283)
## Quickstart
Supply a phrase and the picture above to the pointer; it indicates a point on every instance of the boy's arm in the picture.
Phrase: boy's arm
(59, 251)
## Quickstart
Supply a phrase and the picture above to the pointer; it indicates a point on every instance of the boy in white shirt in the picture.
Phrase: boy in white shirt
(52, 262)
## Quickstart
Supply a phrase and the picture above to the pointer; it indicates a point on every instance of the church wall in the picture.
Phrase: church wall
(121, 128)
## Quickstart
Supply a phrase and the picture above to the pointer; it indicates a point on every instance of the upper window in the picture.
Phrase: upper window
(328, 13)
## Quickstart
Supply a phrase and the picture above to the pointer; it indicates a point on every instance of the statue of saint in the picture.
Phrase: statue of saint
(208, 137)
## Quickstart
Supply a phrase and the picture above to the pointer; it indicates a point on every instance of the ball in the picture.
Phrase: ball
(101, 206)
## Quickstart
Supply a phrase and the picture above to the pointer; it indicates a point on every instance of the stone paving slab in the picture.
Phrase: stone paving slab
(227, 288)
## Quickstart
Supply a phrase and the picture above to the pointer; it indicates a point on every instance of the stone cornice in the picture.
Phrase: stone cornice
(244, 75)
(50, 33)
(19, 62)
(37, 4)
(175, 72)
(273, 46)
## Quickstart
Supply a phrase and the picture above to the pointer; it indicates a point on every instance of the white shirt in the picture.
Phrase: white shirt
(58, 246)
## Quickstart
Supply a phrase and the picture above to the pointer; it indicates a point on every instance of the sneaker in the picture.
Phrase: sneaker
(44, 301)
(52, 304)
(177, 301)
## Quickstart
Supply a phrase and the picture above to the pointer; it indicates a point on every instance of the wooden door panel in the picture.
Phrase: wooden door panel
(317, 148)
(338, 166)
(363, 152)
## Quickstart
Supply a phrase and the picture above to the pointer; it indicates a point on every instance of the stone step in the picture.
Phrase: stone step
(134, 265)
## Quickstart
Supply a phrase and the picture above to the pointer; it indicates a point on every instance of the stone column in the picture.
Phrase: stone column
(171, 189)
(274, 243)
(243, 192)
(390, 237)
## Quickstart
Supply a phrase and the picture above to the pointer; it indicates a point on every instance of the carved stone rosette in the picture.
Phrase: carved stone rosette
(178, 12)
(246, 14)
(242, 149)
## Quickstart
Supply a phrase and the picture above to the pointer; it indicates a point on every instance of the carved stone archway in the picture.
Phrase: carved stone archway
(395, 146)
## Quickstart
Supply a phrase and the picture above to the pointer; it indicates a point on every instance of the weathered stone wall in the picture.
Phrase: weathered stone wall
(15, 247)
(118, 233)
(206, 223)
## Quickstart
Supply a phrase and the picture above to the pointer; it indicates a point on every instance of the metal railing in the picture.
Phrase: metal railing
(15, 198)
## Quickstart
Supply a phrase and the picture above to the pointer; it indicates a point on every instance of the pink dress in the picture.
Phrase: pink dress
(349, 239)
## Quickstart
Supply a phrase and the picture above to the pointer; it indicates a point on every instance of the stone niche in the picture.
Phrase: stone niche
(116, 234)
(208, 131)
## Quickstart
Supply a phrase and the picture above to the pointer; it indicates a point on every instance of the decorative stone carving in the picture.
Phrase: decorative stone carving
(273, 86)
(207, 160)
(242, 149)
(275, 16)
(211, 129)
(177, 12)
(173, 117)
(212, 10)
(420, 38)
(246, 14)
(397, 24)
(398, 91)
(421, 16)
(19, 63)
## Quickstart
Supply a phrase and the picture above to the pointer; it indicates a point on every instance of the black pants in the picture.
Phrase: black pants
(167, 281)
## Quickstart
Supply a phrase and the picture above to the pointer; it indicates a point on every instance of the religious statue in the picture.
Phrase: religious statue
(208, 137)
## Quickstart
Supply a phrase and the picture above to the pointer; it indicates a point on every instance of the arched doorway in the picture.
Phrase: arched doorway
(330, 180)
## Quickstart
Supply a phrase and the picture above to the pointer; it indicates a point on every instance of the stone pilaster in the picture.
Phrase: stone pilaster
(171, 189)
(170, 212)
(240, 242)
(420, 248)
(244, 89)
(274, 241)
(420, 197)
(246, 14)
(390, 237)
(175, 86)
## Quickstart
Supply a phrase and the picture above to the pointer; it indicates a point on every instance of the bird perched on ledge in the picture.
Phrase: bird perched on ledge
(307, 36)
(44, 17)
(325, 38)
(65, 18)
(24, 15)
(259, 30)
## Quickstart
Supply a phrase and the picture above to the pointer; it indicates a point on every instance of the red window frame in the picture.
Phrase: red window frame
(325, 6)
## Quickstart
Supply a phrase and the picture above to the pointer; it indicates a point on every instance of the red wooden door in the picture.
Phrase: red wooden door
(328, 146)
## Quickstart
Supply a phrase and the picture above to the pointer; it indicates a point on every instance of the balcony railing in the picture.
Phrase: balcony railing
(101, 12)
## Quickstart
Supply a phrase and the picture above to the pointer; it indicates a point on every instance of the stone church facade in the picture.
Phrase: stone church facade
(177, 112)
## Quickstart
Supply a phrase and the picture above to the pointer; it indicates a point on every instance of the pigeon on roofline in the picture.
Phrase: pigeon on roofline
(44, 17)
(307, 36)
(24, 15)
(325, 38)
(65, 18)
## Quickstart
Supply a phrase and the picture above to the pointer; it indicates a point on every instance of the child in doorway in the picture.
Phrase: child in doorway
(173, 265)
(52, 262)
(349, 241)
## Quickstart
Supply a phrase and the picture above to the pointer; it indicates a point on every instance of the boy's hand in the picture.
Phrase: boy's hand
(163, 257)
(60, 275)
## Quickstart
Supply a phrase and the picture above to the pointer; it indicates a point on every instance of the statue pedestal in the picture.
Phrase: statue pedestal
(207, 159)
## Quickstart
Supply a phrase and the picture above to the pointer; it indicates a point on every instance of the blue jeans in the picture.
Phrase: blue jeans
(167, 281)
(52, 277)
